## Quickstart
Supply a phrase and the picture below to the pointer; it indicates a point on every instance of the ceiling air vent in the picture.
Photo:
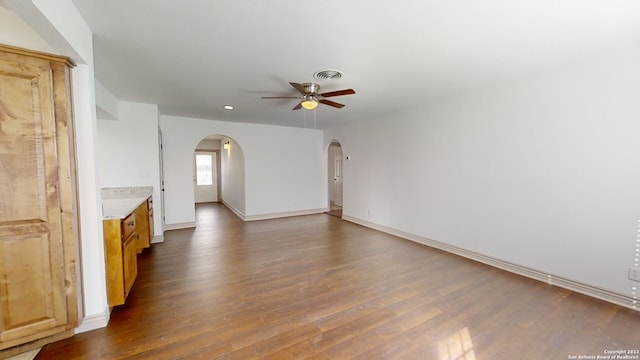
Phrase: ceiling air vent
(328, 75)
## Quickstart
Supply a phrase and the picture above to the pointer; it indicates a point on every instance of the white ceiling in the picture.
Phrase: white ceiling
(192, 57)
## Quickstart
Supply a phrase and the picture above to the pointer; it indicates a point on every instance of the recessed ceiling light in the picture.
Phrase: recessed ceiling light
(228, 107)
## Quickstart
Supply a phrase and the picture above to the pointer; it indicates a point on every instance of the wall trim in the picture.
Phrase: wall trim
(244, 217)
(157, 239)
(177, 226)
(283, 214)
(551, 279)
(93, 322)
(233, 209)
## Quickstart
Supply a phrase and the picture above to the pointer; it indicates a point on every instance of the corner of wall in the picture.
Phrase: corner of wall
(93, 322)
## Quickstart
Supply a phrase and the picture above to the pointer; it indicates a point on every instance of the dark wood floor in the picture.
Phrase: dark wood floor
(322, 288)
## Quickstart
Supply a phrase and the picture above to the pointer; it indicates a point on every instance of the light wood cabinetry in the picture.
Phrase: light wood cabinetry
(129, 264)
(38, 223)
(150, 217)
(123, 240)
(144, 228)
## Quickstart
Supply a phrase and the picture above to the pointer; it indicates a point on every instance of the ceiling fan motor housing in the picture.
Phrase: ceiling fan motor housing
(311, 88)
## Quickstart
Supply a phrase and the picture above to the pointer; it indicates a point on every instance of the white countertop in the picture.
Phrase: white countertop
(120, 208)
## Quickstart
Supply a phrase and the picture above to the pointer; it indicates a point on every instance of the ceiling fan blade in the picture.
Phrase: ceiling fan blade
(331, 103)
(297, 107)
(339, 93)
(281, 97)
(298, 87)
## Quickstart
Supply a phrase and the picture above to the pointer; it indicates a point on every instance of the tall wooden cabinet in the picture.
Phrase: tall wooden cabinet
(38, 227)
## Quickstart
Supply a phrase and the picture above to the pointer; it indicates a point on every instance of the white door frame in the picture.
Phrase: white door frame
(335, 173)
(216, 157)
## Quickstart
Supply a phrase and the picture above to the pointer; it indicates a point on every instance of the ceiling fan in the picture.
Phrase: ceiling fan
(311, 98)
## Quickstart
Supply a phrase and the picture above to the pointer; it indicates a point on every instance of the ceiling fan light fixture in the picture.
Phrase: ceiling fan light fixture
(309, 104)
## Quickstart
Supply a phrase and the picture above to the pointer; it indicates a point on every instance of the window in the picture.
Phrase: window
(204, 171)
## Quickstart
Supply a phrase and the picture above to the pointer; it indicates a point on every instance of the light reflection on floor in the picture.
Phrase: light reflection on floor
(458, 346)
(29, 355)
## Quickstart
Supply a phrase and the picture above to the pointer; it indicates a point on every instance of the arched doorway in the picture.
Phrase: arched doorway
(335, 175)
(219, 177)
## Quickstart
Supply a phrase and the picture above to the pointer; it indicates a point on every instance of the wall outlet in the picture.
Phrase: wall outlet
(634, 273)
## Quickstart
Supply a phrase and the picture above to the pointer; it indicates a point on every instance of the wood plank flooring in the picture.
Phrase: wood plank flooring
(318, 287)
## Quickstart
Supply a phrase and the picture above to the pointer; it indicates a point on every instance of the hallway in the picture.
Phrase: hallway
(319, 287)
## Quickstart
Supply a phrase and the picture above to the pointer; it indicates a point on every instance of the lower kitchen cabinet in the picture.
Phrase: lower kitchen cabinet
(123, 240)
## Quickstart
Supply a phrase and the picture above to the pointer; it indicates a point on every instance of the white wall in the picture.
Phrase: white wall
(58, 23)
(209, 144)
(541, 171)
(16, 32)
(128, 151)
(233, 177)
(106, 103)
(284, 167)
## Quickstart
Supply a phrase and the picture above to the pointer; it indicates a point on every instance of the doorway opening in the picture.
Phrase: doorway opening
(206, 177)
(218, 173)
(335, 175)
(206, 187)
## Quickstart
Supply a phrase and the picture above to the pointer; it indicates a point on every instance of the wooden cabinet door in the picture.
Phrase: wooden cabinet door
(130, 262)
(35, 205)
(151, 229)
(142, 227)
(150, 210)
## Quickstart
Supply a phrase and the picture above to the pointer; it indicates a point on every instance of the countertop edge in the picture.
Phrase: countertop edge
(114, 209)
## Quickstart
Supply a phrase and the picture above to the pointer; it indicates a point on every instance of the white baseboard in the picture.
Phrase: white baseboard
(283, 214)
(238, 213)
(157, 239)
(93, 322)
(244, 217)
(593, 291)
(177, 226)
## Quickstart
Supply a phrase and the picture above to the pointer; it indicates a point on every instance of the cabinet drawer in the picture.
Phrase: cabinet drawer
(128, 226)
